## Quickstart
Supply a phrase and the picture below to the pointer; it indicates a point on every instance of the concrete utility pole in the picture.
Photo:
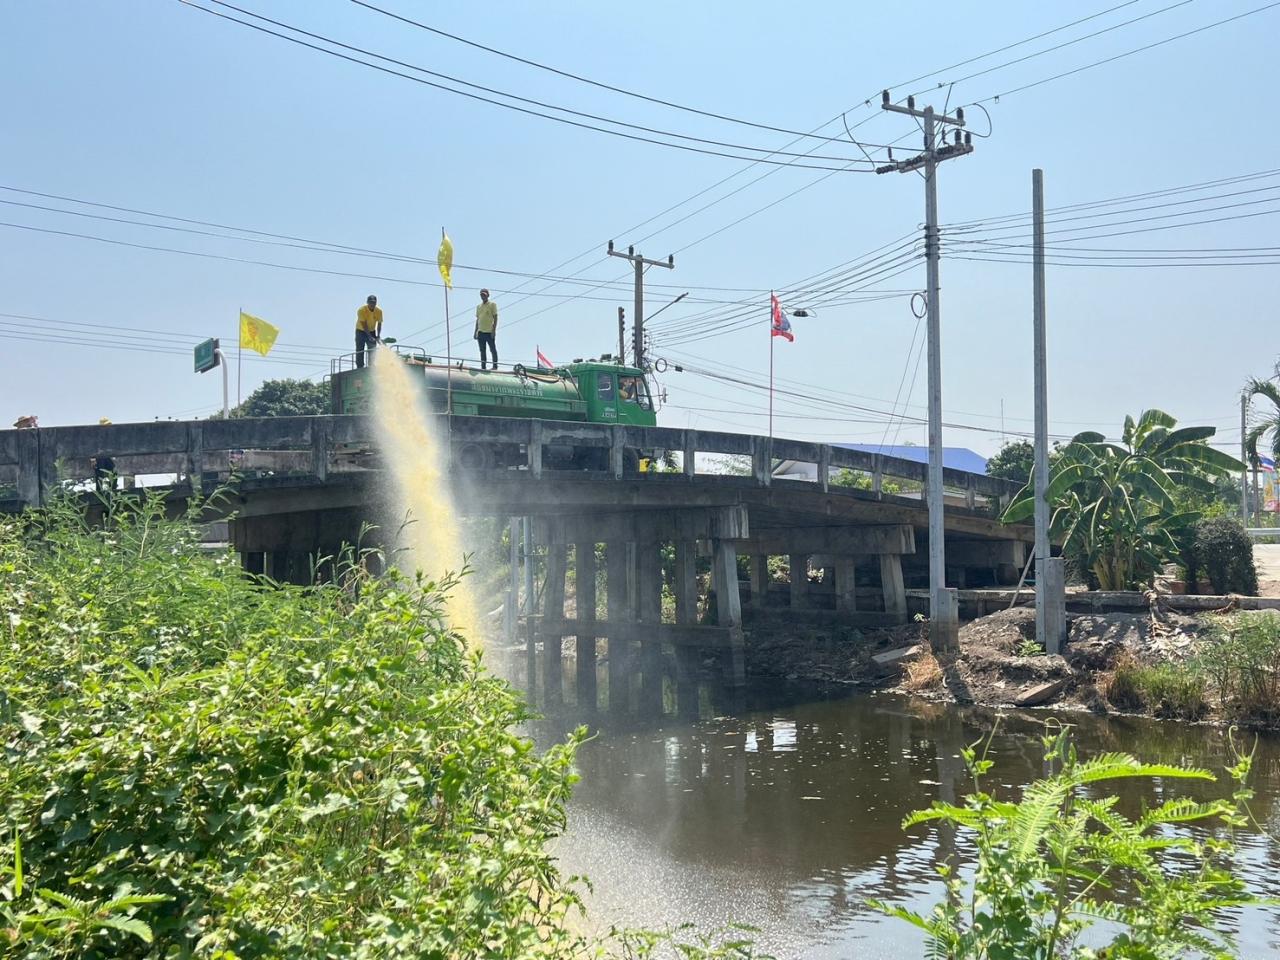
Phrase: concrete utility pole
(622, 335)
(1051, 609)
(943, 618)
(1244, 459)
(637, 320)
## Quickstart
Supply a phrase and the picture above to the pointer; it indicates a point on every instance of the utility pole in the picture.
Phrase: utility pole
(622, 335)
(1051, 610)
(637, 320)
(1244, 459)
(943, 618)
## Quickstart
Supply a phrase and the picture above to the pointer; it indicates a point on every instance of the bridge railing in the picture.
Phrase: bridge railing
(35, 462)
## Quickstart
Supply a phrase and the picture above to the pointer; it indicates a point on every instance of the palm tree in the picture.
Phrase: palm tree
(1113, 503)
(1269, 424)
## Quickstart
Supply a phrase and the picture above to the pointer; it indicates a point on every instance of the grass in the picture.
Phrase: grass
(1237, 671)
(1176, 691)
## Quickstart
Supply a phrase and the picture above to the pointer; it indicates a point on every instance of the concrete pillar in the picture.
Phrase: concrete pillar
(724, 563)
(895, 593)
(584, 574)
(649, 597)
(759, 580)
(552, 615)
(799, 581)
(511, 610)
(687, 658)
(846, 585)
(617, 564)
(944, 629)
(1051, 604)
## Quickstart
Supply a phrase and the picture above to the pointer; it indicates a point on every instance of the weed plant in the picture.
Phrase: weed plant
(1064, 857)
(199, 763)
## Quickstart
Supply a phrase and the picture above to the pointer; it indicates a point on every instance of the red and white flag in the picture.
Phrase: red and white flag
(781, 325)
(543, 362)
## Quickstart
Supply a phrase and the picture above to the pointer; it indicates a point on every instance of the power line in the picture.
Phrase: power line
(1168, 191)
(1064, 44)
(510, 96)
(595, 83)
(995, 98)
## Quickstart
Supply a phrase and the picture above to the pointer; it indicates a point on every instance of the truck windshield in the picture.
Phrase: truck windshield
(634, 390)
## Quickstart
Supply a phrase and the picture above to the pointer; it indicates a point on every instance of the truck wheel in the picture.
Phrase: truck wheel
(472, 456)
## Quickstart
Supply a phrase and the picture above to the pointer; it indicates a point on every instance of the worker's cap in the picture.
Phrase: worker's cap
(484, 293)
(371, 299)
(103, 421)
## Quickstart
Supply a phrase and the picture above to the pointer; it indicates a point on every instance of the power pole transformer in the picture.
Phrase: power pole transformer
(637, 320)
(943, 618)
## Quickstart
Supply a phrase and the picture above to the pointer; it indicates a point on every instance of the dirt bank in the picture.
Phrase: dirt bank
(998, 663)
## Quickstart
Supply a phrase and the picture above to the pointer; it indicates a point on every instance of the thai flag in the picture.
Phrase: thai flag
(781, 325)
(543, 362)
(1267, 464)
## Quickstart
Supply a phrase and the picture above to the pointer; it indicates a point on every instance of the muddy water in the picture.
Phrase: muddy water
(788, 817)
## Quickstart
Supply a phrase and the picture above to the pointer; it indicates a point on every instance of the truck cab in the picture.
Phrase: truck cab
(614, 393)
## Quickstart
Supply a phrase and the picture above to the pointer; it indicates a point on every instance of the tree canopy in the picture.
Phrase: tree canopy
(1014, 461)
(286, 397)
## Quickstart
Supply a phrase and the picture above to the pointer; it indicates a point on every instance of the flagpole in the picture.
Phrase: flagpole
(771, 339)
(239, 352)
(448, 352)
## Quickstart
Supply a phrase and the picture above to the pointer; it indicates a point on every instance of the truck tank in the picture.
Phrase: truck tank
(493, 393)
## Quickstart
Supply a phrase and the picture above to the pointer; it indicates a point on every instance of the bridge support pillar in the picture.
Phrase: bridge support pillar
(759, 580)
(687, 659)
(553, 613)
(846, 585)
(895, 592)
(799, 581)
(724, 570)
(584, 578)
(618, 563)
(649, 603)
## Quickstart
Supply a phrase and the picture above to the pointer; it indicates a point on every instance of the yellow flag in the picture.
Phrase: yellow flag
(444, 259)
(257, 334)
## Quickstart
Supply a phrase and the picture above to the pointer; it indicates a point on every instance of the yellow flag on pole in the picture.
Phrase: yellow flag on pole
(257, 334)
(444, 259)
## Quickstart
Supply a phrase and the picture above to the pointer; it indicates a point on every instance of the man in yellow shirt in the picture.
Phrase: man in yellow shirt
(487, 329)
(368, 328)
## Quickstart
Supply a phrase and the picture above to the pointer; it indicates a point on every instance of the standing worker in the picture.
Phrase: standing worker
(368, 328)
(487, 329)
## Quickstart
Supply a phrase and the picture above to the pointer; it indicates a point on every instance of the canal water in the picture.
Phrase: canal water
(787, 816)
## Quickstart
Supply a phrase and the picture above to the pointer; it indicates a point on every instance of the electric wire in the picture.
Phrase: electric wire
(510, 106)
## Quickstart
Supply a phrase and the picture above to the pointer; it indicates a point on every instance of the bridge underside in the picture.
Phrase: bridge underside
(680, 566)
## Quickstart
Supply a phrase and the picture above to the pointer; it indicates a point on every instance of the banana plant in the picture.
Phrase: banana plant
(1113, 504)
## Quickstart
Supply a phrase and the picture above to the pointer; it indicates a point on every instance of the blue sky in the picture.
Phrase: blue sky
(155, 106)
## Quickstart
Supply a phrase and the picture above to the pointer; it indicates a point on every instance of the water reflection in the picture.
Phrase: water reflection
(788, 817)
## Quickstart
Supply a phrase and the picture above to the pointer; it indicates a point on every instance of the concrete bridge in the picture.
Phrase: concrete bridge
(306, 485)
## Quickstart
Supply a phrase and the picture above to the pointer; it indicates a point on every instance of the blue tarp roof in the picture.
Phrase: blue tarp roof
(957, 458)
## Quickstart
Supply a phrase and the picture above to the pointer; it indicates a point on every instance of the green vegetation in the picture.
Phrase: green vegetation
(198, 764)
(1014, 461)
(1115, 505)
(1064, 857)
(1224, 552)
(1236, 671)
(1268, 428)
(1170, 690)
(285, 398)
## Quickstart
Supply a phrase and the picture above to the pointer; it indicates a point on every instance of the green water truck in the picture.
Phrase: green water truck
(585, 391)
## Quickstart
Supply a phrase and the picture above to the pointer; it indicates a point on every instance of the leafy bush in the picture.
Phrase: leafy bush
(1046, 863)
(1243, 664)
(200, 764)
(1172, 690)
(1224, 551)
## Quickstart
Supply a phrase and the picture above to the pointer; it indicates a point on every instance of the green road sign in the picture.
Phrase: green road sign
(206, 355)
